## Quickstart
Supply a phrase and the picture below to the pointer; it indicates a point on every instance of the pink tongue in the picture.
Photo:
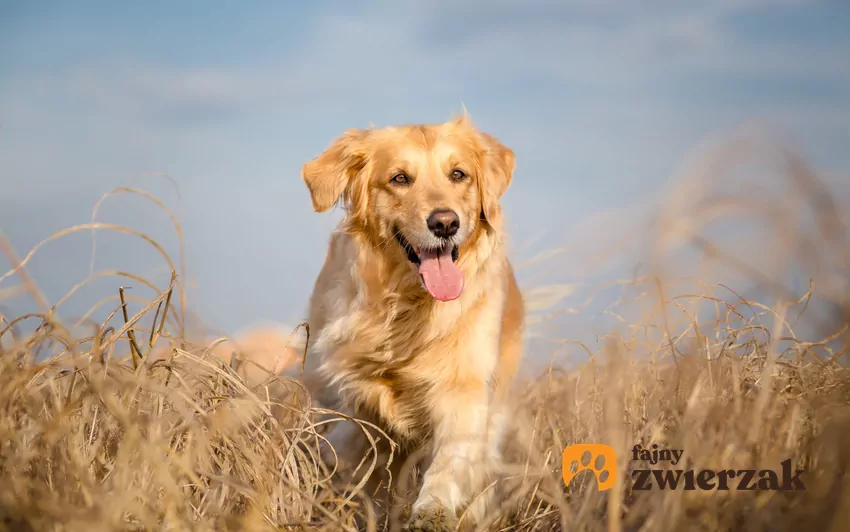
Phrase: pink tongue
(442, 278)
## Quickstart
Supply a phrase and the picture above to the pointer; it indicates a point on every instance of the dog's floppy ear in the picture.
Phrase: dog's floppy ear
(499, 164)
(328, 175)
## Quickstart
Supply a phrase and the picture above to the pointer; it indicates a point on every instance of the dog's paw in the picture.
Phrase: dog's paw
(432, 520)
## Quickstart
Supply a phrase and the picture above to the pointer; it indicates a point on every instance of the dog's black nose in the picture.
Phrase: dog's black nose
(444, 223)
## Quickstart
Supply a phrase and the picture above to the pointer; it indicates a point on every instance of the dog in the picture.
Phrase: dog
(416, 316)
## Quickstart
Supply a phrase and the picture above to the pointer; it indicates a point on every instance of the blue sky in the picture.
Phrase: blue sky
(600, 100)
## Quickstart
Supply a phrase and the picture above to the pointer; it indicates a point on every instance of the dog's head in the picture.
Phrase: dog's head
(421, 192)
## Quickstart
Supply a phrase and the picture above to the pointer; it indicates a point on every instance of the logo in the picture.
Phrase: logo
(602, 460)
(596, 457)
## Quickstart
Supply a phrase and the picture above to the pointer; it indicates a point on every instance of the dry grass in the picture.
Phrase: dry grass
(182, 443)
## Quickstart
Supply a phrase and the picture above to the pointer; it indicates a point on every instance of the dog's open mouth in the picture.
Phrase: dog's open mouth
(437, 270)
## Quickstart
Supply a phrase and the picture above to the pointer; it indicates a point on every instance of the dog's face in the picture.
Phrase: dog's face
(420, 191)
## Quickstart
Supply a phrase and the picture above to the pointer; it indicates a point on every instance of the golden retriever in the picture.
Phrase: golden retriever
(416, 315)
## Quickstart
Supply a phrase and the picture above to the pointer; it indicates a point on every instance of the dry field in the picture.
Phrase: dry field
(90, 440)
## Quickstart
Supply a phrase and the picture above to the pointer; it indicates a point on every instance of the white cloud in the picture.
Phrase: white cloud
(611, 56)
(579, 42)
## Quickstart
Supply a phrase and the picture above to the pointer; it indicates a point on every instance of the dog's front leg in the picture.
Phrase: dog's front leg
(462, 462)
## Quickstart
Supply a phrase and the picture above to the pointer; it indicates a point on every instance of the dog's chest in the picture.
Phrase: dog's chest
(391, 364)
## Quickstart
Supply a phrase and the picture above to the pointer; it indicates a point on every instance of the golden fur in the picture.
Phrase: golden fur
(383, 349)
(261, 352)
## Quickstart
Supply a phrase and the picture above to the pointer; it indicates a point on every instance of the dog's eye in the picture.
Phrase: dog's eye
(400, 179)
(458, 175)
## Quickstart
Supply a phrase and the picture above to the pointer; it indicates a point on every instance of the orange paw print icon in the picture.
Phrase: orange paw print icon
(596, 457)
